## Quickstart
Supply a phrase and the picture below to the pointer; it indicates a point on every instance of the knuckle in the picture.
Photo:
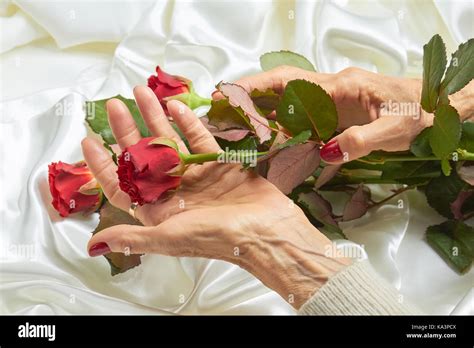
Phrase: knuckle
(347, 76)
(284, 69)
(198, 137)
(351, 71)
(126, 243)
(354, 140)
(112, 193)
(101, 171)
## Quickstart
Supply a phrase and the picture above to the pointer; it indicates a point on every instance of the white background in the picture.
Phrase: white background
(69, 51)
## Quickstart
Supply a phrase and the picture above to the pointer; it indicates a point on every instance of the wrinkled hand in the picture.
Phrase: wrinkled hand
(359, 96)
(220, 211)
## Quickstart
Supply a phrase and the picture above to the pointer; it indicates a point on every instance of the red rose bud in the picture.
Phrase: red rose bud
(73, 188)
(165, 85)
(168, 87)
(148, 171)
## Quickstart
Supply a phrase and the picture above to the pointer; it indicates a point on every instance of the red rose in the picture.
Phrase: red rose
(73, 188)
(143, 171)
(165, 85)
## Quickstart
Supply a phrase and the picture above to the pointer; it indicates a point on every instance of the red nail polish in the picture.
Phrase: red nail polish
(99, 249)
(331, 152)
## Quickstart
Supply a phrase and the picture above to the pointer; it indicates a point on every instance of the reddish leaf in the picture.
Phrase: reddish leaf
(238, 97)
(467, 174)
(229, 135)
(292, 165)
(318, 207)
(224, 116)
(327, 174)
(280, 139)
(456, 206)
(267, 101)
(357, 205)
(111, 216)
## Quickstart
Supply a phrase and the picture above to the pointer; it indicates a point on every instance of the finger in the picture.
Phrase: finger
(122, 123)
(275, 79)
(185, 234)
(200, 139)
(154, 116)
(104, 170)
(388, 133)
(166, 238)
(261, 81)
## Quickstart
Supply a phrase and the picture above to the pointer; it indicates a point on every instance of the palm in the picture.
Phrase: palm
(205, 190)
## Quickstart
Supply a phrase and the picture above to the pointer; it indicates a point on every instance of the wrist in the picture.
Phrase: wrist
(295, 261)
(463, 102)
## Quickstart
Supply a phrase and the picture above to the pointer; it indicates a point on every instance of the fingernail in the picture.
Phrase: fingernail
(99, 249)
(331, 152)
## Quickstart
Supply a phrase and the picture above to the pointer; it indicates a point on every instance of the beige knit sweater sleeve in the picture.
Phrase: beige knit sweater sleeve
(357, 290)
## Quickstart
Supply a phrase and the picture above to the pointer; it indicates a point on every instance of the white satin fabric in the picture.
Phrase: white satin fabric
(56, 54)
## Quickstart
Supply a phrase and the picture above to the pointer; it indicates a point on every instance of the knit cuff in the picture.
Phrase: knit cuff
(357, 290)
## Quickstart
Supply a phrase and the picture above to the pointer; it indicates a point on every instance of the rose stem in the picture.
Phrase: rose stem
(212, 157)
(463, 155)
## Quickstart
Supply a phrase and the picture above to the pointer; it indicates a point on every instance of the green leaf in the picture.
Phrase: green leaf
(454, 241)
(444, 190)
(298, 139)
(446, 167)
(420, 147)
(111, 216)
(306, 105)
(446, 131)
(224, 116)
(332, 232)
(96, 117)
(272, 60)
(279, 143)
(266, 101)
(460, 71)
(248, 143)
(114, 155)
(434, 65)
(409, 172)
(467, 136)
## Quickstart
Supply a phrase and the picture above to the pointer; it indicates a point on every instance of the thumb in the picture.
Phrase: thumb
(275, 79)
(388, 133)
(133, 239)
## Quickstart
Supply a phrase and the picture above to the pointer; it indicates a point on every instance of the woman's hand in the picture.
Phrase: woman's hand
(219, 212)
(376, 112)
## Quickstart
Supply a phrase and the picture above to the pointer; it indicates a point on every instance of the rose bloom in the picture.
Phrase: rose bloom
(143, 171)
(165, 85)
(73, 188)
